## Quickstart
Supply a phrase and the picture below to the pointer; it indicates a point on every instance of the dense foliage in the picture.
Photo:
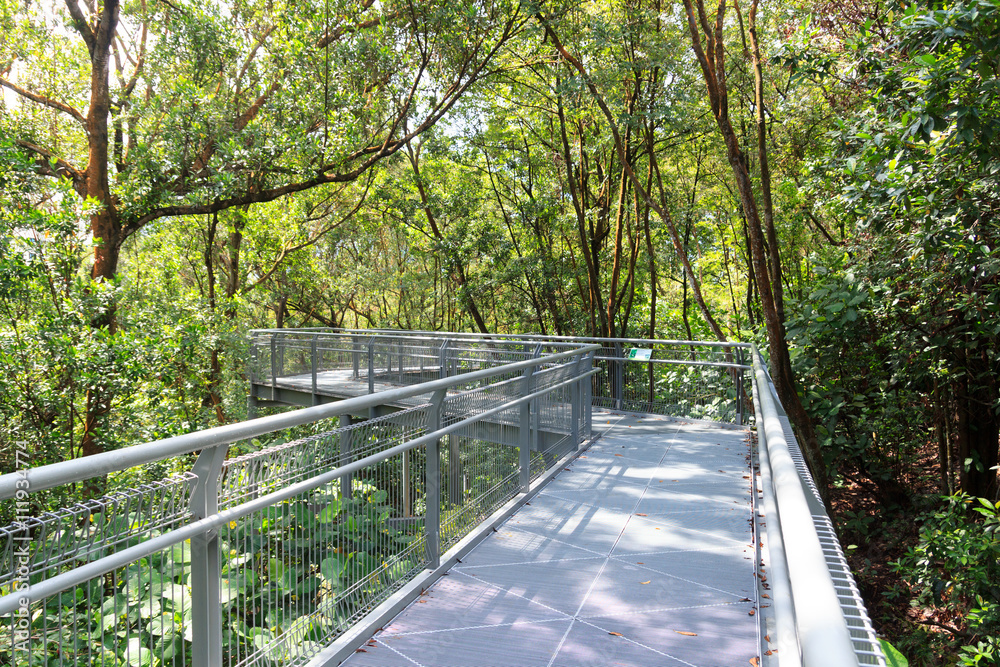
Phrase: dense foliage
(821, 178)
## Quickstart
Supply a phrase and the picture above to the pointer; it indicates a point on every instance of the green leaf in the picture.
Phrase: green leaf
(893, 658)
(330, 512)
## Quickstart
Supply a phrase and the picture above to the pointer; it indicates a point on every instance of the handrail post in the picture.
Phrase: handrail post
(588, 395)
(274, 365)
(254, 378)
(356, 357)
(252, 371)
(574, 398)
(739, 387)
(536, 419)
(618, 380)
(524, 436)
(371, 365)
(399, 350)
(312, 355)
(346, 447)
(443, 358)
(432, 519)
(206, 563)
(281, 353)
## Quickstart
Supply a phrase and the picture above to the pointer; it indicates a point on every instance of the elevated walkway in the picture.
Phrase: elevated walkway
(639, 552)
(446, 493)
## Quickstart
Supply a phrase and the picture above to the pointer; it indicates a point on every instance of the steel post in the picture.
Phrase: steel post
(574, 398)
(312, 355)
(206, 564)
(371, 366)
(274, 365)
(588, 395)
(524, 437)
(432, 520)
(443, 358)
(739, 387)
(618, 379)
(346, 455)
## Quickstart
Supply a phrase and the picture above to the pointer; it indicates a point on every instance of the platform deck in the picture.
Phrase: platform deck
(640, 552)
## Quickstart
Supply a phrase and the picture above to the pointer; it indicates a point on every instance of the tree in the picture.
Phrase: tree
(917, 171)
(708, 41)
(190, 110)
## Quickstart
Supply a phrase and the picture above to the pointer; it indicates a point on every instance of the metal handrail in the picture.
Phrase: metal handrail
(629, 383)
(61, 582)
(813, 629)
(76, 470)
(502, 336)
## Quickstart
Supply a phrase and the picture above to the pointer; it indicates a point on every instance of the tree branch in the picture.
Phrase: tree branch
(47, 159)
(312, 240)
(81, 25)
(45, 101)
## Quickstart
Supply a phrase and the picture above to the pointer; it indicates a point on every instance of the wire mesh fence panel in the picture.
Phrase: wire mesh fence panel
(136, 614)
(674, 380)
(298, 574)
(486, 477)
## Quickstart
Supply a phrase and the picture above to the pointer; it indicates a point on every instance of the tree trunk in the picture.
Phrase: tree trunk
(104, 223)
(709, 49)
(767, 207)
(979, 437)
(213, 398)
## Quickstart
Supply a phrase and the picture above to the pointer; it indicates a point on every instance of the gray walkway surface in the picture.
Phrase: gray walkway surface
(638, 553)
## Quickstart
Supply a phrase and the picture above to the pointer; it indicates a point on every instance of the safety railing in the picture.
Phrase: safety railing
(295, 525)
(820, 618)
(690, 379)
(378, 360)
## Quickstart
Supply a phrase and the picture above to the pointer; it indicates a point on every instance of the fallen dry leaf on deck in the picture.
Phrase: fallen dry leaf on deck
(752, 612)
(616, 634)
(753, 661)
(645, 582)
(640, 514)
(617, 454)
(686, 634)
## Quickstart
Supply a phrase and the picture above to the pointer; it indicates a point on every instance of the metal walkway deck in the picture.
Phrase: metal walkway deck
(640, 552)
